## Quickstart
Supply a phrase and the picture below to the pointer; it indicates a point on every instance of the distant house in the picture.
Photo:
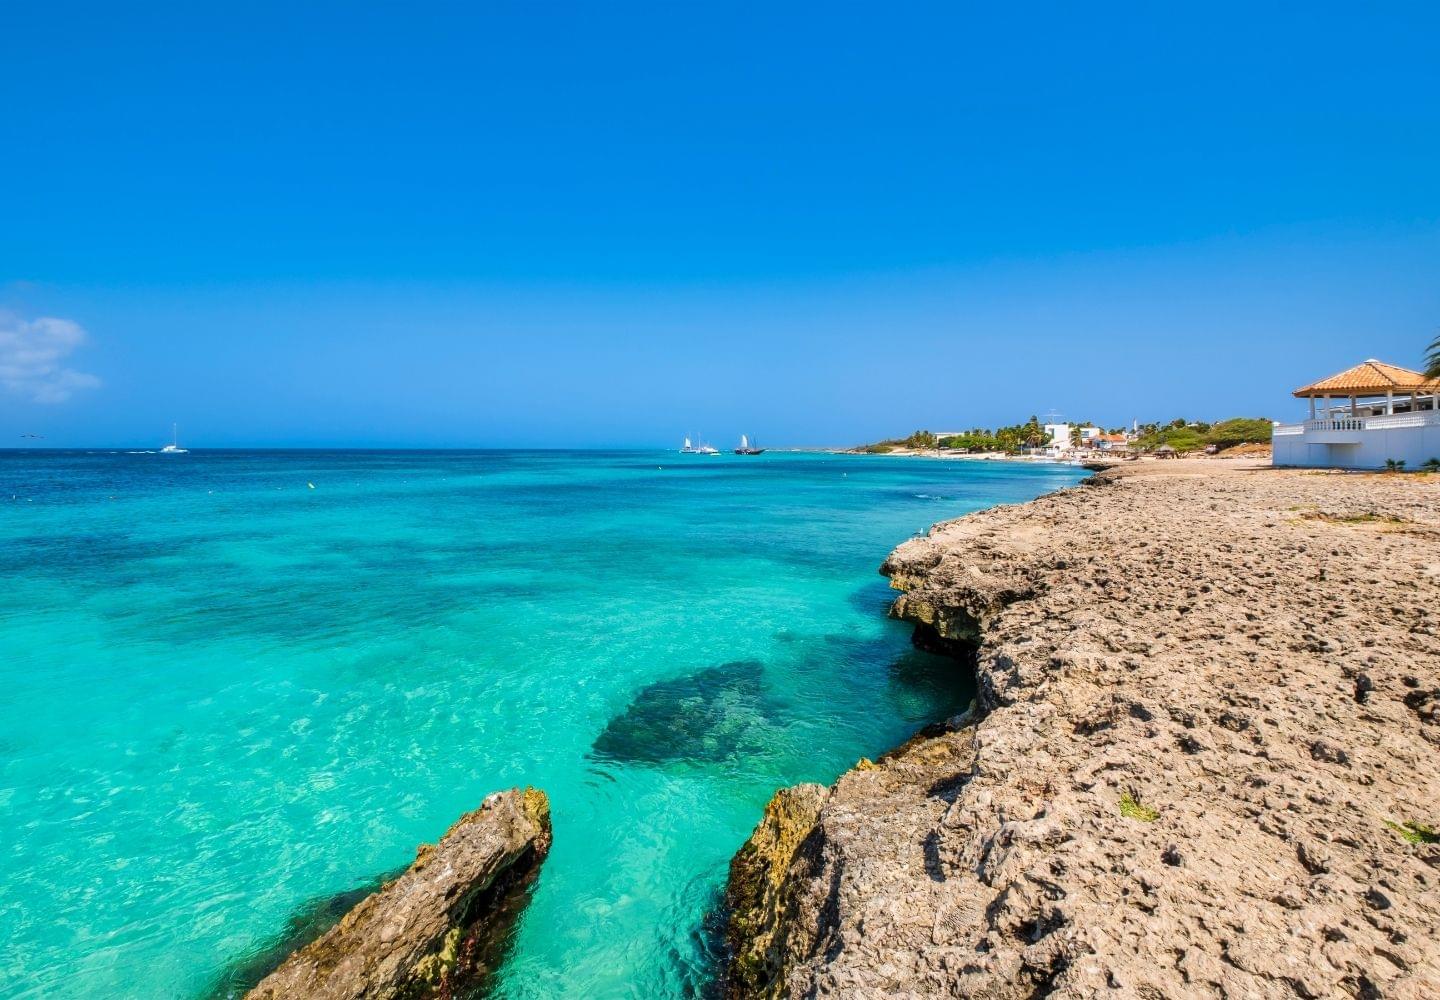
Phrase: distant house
(1111, 442)
(1057, 438)
(1362, 418)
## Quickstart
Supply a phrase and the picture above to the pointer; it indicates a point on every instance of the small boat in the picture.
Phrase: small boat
(687, 448)
(173, 448)
(746, 448)
(705, 449)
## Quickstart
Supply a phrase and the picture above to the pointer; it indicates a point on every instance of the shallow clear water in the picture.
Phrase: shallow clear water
(228, 694)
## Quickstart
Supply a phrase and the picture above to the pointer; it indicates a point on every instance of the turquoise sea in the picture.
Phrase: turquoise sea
(228, 694)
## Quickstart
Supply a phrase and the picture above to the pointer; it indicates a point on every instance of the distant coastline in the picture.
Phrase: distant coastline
(946, 455)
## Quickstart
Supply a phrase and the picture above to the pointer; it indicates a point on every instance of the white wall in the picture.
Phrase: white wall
(1413, 445)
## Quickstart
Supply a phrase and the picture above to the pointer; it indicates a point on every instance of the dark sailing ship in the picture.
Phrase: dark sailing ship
(746, 448)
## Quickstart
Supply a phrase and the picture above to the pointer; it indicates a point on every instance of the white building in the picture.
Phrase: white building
(1362, 418)
(1057, 438)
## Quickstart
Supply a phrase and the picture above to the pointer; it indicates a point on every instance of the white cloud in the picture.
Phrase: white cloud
(32, 353)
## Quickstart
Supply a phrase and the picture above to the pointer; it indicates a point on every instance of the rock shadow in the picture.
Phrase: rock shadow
(308, 922)
(934, 864)
(872, 600)
(699, 977)
(489, 927)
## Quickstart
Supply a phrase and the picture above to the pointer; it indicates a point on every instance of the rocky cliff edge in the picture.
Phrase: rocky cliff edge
(1204, 760)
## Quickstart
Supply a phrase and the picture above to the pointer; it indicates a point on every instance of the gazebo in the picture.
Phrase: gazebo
(1364, 418)
(1371, 386)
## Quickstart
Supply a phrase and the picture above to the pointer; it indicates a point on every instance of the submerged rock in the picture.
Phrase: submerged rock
(703, 717)
(433, 931)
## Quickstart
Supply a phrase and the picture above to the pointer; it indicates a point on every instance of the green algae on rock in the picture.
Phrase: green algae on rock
(753, 894)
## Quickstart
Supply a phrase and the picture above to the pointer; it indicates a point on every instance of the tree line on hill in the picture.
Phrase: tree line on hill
(1030, 434)
(1183, 435)
(1180, 434)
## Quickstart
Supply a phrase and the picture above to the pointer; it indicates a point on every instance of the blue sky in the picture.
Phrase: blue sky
(612, 224)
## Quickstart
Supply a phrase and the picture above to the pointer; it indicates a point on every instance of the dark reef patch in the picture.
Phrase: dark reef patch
(701, 718)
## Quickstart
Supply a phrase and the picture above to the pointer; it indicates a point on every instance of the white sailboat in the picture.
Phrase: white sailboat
(173, 448)
(687, 448)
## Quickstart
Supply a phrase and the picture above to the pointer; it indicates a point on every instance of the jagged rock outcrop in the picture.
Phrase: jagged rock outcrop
(754, 891)
(424, 934)
(1205, 760)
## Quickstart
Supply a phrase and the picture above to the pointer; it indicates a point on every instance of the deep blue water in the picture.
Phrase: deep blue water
(229, 694)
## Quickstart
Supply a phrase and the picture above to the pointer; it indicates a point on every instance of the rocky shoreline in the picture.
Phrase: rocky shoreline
(1204, 760)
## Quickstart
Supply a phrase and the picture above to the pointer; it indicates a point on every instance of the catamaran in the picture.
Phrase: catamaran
(173, 448)
(687, 448)
(746, 448)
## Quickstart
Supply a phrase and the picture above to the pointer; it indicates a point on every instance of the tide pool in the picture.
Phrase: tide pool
(228, 694)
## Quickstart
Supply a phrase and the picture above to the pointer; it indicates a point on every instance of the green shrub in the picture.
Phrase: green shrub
(972, 441)
(1133, 808)
(1239, 430)
(1415, 833)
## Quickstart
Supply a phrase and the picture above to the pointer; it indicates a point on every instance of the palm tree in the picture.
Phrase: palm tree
(1432, 359)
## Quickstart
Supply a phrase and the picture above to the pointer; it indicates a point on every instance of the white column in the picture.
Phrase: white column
(1389, 401)
(1327, 407)
(1352, 406)
(1312, 407)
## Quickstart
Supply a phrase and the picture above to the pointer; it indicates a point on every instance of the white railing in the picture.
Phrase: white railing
(1336, 424)
(1427, 418)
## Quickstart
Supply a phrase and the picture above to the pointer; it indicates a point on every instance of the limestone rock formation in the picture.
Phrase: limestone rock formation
(753, 894)
(1205, 761)
(419, 936)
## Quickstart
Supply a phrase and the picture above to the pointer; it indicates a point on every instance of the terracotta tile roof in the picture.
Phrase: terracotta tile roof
(1370, 378)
